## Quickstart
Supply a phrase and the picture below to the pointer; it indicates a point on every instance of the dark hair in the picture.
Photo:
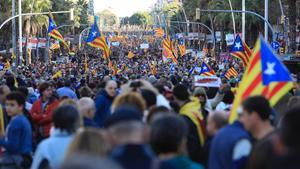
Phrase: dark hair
(290, 128)
(149, 96)
(43, 87)
(17, 96)
(167, 133)
(23, 90)
(67, 82)
(181, 92)
(228, 97)
(260, 105)
(10, 80)
(66, 118)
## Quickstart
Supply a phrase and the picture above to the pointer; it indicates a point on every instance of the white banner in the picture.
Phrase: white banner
(144, 46)
(207, 81)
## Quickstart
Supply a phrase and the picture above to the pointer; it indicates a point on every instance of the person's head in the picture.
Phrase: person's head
(10, 80)
(45, 90)
(168, 134)
(180, 93)
(83, 161)
(67, 82)
(111, 88)
(290, 128)
(294, 100)
(4, 91)
(68, 101)
(87, 107)
(23, 90)
(149, 96)
(228, 97)
(132, 99)
(85, 91)
(66, 118)
(156, 112)
(90, 141)
(256, 110)
(200, 93)
(14, 103)
(215, 121)
(125, 126)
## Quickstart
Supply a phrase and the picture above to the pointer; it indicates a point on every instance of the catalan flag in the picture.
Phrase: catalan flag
(240, 50)
(55, 46)
(153, 69)
(2, 127)
(96, 40)
(265, 75)
(206, 70)
(159, 32)
(231, 73)
(53, 32)
(181, 47)
(168, 49)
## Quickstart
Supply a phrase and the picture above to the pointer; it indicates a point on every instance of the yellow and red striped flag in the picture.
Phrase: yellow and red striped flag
(241, 51)
(231, 73)
(159, 32)
(168, 49)
(265, 75)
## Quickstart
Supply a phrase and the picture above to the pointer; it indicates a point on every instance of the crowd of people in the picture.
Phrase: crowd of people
(93, 117)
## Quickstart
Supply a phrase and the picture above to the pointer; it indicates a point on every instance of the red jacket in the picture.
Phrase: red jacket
(43, 118)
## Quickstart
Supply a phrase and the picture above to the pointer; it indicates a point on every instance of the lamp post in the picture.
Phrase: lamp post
(232, 14)
(20, 32)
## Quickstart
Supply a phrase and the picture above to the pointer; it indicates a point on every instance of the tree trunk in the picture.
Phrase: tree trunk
(292, 16)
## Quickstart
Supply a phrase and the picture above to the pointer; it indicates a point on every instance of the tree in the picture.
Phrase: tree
(140, 18)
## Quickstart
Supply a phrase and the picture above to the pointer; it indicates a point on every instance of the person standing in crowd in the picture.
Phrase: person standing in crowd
(169, 145)
(51, 151)
(230, 147)
(215, 122)
(89, 141)
(190, 110)
(104, 102)
(24, 91)
(4, 91)
(66, 90)
(87, 110)
(127, 134)
(18, 138)
(41, 111)
(256, 117)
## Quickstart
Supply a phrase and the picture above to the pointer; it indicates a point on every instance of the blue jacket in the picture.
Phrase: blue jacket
(103, 103)
(18, 139)
(221, 152)
(89, 123)
(179, 162)
(133, 156)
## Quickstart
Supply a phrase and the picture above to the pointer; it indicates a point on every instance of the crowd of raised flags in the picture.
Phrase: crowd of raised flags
(264, 73)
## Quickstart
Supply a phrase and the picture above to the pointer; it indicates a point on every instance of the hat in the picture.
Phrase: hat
(123, 114)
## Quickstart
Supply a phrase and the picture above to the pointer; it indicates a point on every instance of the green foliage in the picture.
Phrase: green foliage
(140, 18)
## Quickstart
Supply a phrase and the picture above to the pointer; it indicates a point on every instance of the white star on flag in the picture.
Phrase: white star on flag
(94, 34)
(204, 68)
(238, 45)
(270, 69)
(52, 24)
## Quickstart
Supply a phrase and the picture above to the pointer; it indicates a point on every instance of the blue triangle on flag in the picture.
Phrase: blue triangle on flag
(273, 70)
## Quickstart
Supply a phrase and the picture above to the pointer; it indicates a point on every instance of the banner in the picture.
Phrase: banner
(207, 81)
(144, 46)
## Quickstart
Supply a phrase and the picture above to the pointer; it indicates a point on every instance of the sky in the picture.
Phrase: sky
(123, 7)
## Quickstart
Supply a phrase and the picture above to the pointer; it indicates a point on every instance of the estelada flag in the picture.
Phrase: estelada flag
(265, 75)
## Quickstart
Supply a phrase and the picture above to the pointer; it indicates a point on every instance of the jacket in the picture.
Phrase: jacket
(103, 103)
(197, 131)
(52, 149)
(18, 139)
(43, 118)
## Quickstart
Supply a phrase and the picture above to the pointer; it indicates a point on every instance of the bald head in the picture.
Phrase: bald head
(87, 107)
(111, 87)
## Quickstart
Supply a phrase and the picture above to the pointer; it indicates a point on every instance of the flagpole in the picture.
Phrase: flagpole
(20, 32)
(233, 20)
(266, 18)
(244, 20)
